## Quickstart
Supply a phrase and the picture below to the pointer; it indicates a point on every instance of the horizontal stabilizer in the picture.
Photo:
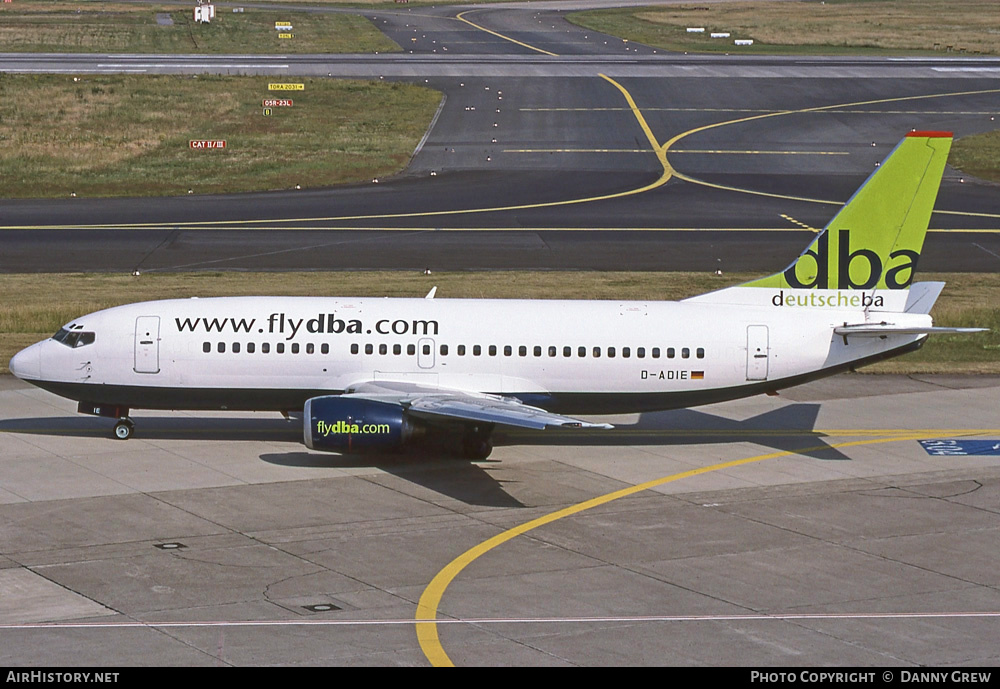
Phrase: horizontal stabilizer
(883, 329)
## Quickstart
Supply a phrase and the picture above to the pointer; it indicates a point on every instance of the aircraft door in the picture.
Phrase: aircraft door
(757, 352)
(425, 352)
(147, 344)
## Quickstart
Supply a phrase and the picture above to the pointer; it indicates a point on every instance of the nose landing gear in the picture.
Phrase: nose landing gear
(124, 428)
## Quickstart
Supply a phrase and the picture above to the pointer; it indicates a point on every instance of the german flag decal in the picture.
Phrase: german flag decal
(697, 375)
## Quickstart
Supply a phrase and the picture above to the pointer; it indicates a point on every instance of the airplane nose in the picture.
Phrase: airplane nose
(27, 364)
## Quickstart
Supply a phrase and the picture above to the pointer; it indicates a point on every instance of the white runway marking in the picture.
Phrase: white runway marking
(625, 619)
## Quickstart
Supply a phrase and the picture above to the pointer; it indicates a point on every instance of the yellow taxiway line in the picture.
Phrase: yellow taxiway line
(500, 35)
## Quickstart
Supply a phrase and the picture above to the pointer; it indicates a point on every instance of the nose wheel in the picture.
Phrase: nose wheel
(124, 428)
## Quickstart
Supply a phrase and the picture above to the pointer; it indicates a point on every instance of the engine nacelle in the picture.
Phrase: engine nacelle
(339, 424)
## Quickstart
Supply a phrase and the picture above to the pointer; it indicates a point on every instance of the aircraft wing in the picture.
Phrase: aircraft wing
(464, 406)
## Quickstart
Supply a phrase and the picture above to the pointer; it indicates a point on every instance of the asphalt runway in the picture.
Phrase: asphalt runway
(537, 146)
(810, 529)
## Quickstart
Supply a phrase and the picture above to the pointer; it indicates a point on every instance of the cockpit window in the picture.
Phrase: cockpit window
(73, 339)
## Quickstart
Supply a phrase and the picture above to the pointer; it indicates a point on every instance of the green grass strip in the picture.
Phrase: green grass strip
(105, 27)
(835, 27)
(129, 135)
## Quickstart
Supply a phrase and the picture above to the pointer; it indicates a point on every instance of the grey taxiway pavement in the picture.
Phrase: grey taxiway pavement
(806, 529)
(538, 158)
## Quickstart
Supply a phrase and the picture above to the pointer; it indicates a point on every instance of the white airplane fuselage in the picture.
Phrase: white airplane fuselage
(273, 353)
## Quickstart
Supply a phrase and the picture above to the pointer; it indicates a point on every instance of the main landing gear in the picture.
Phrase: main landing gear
(476, 443)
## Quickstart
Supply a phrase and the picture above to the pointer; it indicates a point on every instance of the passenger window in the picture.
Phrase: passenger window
(325, 348)
(522, 351)
(427, 349)
(266, 348)
(597, 352)
(310, 348)
(507, 350)
(207, 347)
(236, 348)
(397, 349)
(251, 347)
(656, 352)
(383, 349)
(411, 349)
(640, 352)
(537, 350)
(444, 350)
(700, 352)
(222, 348)
(295, 348)
(354, 349)
(476, 350)
(626, 352)
(611, 352)
(670, 352)
(493, 350)
(280, 347)
(369, 349)
(685, 353)
(552, 351)
(461, 350)
(581, 352)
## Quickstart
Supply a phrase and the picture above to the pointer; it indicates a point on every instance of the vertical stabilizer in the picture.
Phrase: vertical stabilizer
(869, 251)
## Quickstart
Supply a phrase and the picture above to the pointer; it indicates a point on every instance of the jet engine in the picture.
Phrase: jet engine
(340, 424)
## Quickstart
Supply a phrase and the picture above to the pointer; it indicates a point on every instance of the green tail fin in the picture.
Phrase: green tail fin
(875, 240)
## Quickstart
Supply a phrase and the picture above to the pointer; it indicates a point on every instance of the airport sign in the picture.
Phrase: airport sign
(962, 448)
(207, 143)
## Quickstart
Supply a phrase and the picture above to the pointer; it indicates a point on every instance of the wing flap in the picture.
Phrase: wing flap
(502, 410)
(466, 406)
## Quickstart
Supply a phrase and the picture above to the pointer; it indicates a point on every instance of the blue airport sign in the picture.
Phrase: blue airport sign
(960, 447)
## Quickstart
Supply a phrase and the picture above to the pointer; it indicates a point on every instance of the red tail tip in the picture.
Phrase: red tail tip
(932, 135)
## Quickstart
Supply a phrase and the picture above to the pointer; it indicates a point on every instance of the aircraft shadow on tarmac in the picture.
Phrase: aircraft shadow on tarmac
(790, 428)
(468, 482)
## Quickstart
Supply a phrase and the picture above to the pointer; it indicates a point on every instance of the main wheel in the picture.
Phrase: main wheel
(476, 447)
(124, 429)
